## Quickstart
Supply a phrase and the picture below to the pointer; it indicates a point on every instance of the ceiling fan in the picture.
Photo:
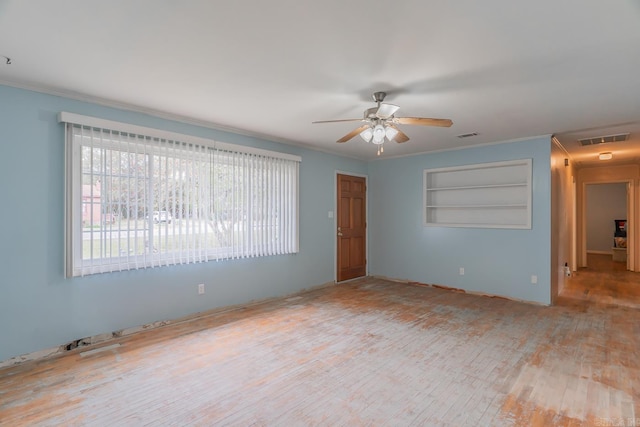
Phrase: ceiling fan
(380, 123)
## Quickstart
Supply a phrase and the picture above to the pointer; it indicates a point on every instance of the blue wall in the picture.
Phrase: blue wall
(496, 261)
(40, 308)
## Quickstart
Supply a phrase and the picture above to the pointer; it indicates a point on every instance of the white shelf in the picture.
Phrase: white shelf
(468, 225)
(470, 187)
(488, 195)
(476, 206)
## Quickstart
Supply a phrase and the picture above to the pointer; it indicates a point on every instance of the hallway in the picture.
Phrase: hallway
(604, 282)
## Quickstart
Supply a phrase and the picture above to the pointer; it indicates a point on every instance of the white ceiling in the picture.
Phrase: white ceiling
(505, 69)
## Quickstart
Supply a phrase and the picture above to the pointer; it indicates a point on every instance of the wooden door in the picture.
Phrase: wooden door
(352, 227)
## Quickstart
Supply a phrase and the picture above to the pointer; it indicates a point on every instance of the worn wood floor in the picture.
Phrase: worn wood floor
(370, 352)
(604, 282)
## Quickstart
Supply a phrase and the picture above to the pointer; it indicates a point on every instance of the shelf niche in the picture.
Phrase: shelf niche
(486, 195)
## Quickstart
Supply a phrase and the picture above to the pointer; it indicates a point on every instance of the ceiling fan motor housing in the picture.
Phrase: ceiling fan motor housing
(379, 96)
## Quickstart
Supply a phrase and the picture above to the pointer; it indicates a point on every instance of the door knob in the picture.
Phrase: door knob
(339, 232)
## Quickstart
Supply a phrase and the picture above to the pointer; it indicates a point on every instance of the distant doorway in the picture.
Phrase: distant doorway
(606, 219)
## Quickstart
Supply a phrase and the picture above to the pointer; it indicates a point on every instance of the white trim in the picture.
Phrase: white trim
(462, 147)
(77, 96)
(68, 206)
(335, 221)
(561, 147)
(631, 224)
(47, 90)
(489, 165)
(165, 115)
(65, 117)
(574, 224)
(631, 232)
(229, 129)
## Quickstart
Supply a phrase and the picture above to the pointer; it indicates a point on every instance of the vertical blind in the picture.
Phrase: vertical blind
(142, 201)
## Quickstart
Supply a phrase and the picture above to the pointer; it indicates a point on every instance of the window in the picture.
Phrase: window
(138, 197)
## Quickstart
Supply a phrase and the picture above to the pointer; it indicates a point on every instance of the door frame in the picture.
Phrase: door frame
(335, 221)
(574, 224)
(631, 212)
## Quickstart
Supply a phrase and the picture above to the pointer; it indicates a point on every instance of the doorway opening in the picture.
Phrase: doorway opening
(606, 220)
(606, 274)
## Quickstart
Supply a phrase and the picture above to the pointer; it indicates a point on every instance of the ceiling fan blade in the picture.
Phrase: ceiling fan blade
(423, 121)
(337, 121)
(352, 133)
(400, 136)
(386, 110)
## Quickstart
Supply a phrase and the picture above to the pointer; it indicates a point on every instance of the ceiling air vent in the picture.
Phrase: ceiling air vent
(604, 139)
(467, 135)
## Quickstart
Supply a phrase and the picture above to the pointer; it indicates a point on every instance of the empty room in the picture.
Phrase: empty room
(319, 213)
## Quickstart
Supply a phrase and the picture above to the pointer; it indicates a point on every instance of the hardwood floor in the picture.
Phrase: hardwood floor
(369, 352)
(604, 282)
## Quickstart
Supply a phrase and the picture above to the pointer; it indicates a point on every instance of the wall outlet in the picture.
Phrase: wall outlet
(201, 289)
(462, 271)
(534, 279)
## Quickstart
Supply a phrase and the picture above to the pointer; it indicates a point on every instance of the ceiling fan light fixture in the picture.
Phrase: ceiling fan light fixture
(378, 134)
(390, 132)
(380, 124)
(367, 134)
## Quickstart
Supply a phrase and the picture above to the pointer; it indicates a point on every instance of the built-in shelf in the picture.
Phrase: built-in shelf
(467, 187)
(491, 195)
(476, 206)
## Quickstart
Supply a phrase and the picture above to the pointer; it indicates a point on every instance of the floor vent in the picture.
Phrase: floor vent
(604, 139)
(467, 135)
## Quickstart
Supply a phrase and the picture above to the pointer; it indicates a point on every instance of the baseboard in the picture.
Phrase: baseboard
(600, 252)
(458, 290)
(93, 342)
